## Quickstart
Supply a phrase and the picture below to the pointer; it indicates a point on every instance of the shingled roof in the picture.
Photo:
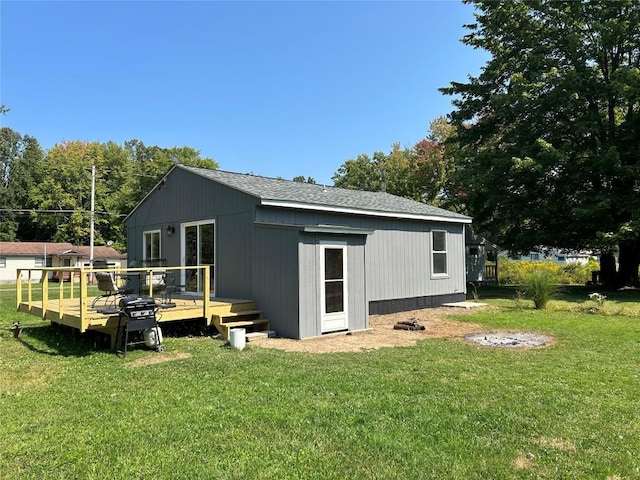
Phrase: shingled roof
(287, 193)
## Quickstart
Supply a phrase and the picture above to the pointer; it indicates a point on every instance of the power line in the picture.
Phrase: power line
(37, 210)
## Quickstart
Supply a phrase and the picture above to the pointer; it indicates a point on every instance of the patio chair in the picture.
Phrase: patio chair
(172, 286)
(107, 283)
(153, 283)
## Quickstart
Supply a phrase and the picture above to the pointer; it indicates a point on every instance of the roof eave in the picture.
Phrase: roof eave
(358, 211)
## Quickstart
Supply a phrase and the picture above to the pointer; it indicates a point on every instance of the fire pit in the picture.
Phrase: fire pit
(509, 339)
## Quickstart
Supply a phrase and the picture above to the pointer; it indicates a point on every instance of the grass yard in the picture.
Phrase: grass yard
(444, 409)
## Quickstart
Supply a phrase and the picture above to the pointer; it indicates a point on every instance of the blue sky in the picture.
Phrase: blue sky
(273, 88)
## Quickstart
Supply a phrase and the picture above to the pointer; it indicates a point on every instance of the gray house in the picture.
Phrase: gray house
(315, 259)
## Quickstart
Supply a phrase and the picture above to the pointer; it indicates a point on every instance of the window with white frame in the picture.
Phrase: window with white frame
(39, 262)
(3, 262)
(439, 252)
(151, 245)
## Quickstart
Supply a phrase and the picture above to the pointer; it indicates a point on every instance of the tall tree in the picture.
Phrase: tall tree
(420, 172)
(18, 155)
(61, 194)
(10, 152)
(549, 132)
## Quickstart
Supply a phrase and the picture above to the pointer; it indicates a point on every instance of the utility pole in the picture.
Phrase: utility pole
(93, 212)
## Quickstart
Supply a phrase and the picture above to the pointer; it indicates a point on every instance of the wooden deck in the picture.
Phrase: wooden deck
(77, 312)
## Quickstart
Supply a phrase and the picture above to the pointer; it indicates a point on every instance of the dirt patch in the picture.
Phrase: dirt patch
(523, 462)
(382, 333)
(558, 444)
(159, 358)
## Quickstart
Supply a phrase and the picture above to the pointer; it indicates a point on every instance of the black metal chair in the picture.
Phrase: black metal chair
(107, 283)
(172, 285)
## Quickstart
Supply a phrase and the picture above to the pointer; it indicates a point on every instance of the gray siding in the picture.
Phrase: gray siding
(309, 286)
(275, 279)
(398, 258)
(235, 237)
(399, 263)
(185, 197)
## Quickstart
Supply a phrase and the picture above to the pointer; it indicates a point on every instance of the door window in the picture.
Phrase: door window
(199, 249)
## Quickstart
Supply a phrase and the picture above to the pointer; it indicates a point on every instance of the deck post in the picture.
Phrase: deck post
(84, 321)
(29, 290)
(72, 274)
(61, 299)
(45, 293)
(18, 288)
(206, 293)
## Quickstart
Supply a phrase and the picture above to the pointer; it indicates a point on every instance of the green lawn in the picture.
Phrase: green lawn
(442, 409)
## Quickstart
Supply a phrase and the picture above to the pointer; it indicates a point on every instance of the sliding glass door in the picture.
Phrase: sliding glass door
(198, 249)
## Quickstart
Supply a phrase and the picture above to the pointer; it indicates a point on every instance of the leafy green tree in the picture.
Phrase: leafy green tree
(18, 154)
(22, 179)
(549, 132)
(61, 193)
(10, 151)
(359, 173)
(421, 173)
(302, 179)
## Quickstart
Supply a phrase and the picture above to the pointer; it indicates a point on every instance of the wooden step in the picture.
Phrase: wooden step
(241, 313)
(223, 308)
(245, 323)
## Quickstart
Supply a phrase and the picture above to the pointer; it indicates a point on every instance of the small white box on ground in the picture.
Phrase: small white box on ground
(238, 338)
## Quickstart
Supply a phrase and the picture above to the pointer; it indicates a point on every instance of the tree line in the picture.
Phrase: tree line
(45, 195)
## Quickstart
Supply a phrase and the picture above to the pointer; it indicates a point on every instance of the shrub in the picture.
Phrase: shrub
(514, 272)
(540, 286)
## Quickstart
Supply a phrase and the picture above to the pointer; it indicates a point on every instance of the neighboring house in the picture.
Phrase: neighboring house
(14, 255)
(315, 259)
(482, 258)
(560, 257)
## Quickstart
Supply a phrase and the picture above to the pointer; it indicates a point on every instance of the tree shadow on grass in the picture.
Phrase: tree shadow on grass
(60, 340)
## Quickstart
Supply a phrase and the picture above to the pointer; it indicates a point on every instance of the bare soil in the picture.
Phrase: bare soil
(161, 358)
(382, 334)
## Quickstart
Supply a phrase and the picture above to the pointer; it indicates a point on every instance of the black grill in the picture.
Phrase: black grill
(137, 314)
(138, 308)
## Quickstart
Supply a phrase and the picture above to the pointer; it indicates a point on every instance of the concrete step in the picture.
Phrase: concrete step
(253, 336)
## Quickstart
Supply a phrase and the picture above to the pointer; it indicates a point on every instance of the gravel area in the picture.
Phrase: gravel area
(382, 334)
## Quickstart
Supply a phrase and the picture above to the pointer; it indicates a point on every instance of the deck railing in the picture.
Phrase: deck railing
(26, 278)
(491, 272)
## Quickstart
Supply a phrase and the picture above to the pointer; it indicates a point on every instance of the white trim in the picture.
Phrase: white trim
(183, 251)
(336, 230)
(445, 251)
(357, 211)
(334, 321)
(144, 243)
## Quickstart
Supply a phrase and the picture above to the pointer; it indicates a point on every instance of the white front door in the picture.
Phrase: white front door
(333, 287)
